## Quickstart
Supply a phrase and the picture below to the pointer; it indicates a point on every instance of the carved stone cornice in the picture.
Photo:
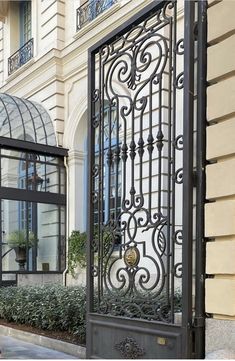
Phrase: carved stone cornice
(76, 156)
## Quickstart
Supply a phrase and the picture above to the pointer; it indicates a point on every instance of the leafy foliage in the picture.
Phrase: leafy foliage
(56, 307)
(76, 251)
(18, 238)
(77, 248)
(59, 308)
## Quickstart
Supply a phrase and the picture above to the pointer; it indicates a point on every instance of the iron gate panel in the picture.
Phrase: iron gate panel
(141, 221)
(136, 339)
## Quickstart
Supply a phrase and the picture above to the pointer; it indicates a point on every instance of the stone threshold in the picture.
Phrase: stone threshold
(61, 346)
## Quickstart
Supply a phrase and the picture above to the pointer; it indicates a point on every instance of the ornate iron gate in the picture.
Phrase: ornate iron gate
(146, 186)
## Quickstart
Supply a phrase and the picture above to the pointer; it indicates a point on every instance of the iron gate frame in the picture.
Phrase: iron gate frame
(192, 327)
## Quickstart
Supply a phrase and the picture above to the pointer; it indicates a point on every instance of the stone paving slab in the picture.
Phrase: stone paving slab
(77, 351)
(13, 348)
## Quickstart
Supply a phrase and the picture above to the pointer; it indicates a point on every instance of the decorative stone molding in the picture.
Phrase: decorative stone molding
(76, 157)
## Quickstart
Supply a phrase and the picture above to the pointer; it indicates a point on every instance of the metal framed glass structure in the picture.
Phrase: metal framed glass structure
(32, 191)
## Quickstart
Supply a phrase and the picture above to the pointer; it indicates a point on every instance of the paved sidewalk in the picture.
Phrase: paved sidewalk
(12, 348)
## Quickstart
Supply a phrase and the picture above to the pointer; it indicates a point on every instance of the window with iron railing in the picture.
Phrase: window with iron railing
(25, 41)
(20, 57)
(90, 9)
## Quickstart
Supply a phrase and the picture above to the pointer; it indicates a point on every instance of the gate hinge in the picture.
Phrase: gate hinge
(194, 178)
(199, 322)
(195, 31)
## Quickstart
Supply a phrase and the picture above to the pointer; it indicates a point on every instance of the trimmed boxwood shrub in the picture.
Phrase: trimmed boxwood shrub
(51, 307)
(59, 308)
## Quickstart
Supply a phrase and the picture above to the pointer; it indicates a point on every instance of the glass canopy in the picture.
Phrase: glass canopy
(32, 191)
(25, 120)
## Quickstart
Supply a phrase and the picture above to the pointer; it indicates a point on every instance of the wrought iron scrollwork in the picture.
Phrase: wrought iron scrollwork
(178, 177)
(178, 236)
(178, 142)
(178, 270)
(139, 177)
(179, 48)
(179, 83)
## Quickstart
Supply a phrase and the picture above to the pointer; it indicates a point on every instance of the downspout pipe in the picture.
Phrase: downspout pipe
(67, 220)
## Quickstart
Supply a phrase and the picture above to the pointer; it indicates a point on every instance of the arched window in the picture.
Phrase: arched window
(111, 168)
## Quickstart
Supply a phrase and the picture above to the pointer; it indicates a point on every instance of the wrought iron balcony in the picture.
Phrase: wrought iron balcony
(20, 57)
(90, 10)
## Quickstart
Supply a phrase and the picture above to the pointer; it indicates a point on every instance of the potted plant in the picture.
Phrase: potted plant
(18, 241)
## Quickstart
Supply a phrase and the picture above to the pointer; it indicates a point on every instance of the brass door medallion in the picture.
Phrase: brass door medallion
(132, 256)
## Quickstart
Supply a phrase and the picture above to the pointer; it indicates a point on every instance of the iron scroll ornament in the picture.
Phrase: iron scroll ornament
(136, 68)
(129, 348)
(138, 79)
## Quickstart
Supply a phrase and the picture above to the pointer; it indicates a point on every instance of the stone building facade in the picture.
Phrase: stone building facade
(56, 77)
(219, 211)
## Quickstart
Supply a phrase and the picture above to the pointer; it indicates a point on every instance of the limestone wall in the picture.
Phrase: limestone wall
(220, 172)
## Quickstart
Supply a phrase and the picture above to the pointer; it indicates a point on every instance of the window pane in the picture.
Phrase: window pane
(34, 231)
(10, 217)
(32, 172)
(11, 170)
(26, 19)
(48, 235)
(48, 177)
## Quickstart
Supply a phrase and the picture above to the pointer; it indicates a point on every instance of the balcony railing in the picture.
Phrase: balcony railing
(20, 57)
(90, 10)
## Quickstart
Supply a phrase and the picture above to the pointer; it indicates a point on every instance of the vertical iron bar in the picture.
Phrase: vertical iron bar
(188, 108)
(169, 239)
(160, 148)
(150, 150)
(201, 163)
(102, 175)
(124, 159)
(141, 154)
(100, 179)
(116, 159)
(132, 154)
(90, 217)
(173, 158)
(109, 161)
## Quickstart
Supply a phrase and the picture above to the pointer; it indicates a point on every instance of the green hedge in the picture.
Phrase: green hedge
(46, 307)
(59, 308)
